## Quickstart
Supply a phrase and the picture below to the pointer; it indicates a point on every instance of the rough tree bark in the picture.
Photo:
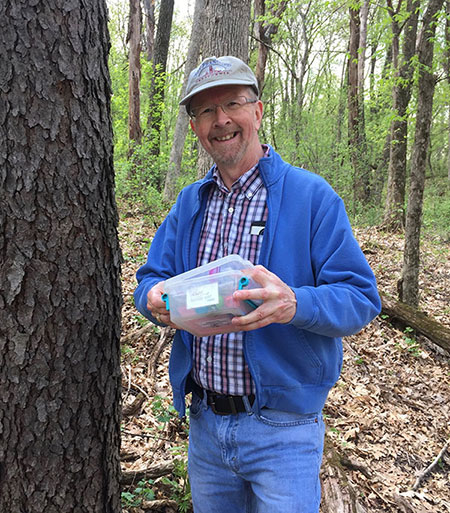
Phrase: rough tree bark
(409, 283)
(60, 294)
(394, 212)
(226, 32)
(182, 124)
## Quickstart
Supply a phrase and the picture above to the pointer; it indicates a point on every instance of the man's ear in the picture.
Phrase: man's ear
(259, 113)
(192, 126)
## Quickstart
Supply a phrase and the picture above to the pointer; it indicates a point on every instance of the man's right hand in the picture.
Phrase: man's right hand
(157, 306)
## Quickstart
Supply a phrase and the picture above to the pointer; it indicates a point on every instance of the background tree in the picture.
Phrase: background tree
(356, 128)
(60, 262)
(226, 32)
(409, 284)
(447, 71)
(134, 74)
(394, 211)
(161, 51)
(149, 9)
(265, 29)
(182, 124)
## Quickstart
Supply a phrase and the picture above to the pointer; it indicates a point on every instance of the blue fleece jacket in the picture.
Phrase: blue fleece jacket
(308, 242)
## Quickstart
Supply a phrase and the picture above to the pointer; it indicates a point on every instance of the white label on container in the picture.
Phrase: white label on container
(203, 295)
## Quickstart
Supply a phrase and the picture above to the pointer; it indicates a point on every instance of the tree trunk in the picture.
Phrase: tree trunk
(394, 213)
(363, 150)
(447, 71)
(300, 79)
(263, 50)
(409, 316)
(409, 292)
(182, 124)
(353, 104)
(362, 48)
(338, 495)
(60, 296)
(161, 52)
(149, 8)
(134, 74)
(226, 32)
(264, 32)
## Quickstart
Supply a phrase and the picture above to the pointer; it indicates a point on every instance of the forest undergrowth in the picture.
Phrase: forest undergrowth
(388, 416)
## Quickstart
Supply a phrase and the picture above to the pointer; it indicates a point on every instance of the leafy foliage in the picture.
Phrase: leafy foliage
(305, 101)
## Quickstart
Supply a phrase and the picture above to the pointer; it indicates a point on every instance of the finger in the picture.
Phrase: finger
(259, 274)
(251, 322)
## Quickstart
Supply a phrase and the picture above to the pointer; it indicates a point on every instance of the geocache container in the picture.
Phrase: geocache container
(201, 300)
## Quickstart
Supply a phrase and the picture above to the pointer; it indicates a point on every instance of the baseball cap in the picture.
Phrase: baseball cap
(217, 71)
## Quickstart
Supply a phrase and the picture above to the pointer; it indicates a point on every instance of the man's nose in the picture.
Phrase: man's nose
(221, 117)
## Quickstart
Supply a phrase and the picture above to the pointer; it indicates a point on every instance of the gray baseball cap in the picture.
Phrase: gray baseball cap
(217, 71)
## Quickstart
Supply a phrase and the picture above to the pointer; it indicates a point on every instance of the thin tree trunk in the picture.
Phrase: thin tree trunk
(264, 32)
(161, 51)
(182, 124)
(134, 74)
(263, 41)
(362, 47)
(394, 213)
(447, 71)
(300, 79)
(409, 285)
(149, 8)
(60, 296)
(355, 125)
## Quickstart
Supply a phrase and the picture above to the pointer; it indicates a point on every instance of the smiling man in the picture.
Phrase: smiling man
(256, 428)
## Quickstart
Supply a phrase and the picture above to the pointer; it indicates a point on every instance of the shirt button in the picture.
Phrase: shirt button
(231, 210)
(209, 359)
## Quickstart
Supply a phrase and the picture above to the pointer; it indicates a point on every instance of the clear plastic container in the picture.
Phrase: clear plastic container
(201, 300)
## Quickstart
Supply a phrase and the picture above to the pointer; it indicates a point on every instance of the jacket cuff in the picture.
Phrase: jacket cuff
(306, 314)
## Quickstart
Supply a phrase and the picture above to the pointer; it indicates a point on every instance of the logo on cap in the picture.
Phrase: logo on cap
(211, 68)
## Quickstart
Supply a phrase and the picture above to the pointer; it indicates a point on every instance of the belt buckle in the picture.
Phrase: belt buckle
(212, 403)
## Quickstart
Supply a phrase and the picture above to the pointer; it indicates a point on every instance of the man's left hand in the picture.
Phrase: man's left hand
(279, 301)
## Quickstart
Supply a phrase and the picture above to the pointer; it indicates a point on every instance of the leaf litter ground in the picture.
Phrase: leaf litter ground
(389, 413)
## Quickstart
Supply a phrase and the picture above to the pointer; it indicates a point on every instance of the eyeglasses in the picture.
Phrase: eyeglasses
(207, 112)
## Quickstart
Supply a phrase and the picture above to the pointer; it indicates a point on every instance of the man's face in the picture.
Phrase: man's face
(230, 138)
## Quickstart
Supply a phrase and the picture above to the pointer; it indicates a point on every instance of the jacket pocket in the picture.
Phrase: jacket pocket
(284, 358)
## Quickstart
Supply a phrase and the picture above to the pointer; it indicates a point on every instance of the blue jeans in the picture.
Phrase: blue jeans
(248, 463)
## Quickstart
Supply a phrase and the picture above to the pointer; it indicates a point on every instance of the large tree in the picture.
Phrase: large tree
(60, 293)
(226, 26)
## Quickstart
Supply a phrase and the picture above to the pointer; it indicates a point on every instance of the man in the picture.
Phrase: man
(256, 430)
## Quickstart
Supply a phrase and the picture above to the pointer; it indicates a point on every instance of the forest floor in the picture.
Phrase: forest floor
(388, 415)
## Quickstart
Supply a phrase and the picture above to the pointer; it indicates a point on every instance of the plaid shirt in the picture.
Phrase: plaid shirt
(233, 224)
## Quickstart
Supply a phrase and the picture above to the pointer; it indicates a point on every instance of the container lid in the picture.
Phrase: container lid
(228, 263)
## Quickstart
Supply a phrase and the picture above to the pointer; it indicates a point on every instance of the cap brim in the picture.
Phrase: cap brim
(216, 83)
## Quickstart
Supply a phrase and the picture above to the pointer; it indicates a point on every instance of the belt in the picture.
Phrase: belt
(223, 404)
